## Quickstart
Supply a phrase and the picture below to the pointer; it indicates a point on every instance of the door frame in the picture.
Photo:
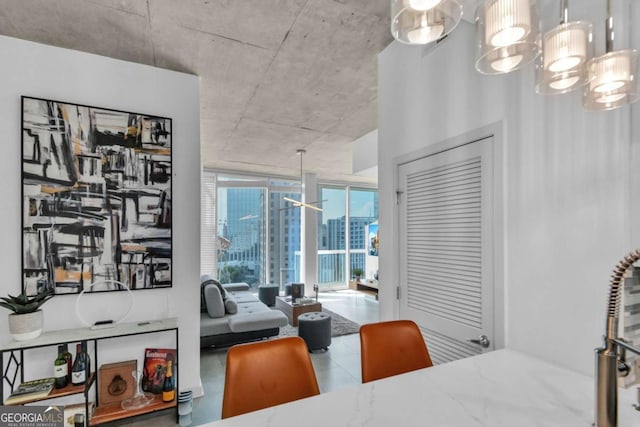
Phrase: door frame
(496, 131)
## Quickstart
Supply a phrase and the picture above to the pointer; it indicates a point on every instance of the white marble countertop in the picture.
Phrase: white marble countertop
(499, 389)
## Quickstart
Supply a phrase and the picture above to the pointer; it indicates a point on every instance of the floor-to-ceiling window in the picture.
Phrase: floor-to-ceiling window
(284, 234)
(241, 227)
(337, 225)
(332, 235)
(363, 233)
(250, 234)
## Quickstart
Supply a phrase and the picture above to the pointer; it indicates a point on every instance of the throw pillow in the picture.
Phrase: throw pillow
(231, 305)
(205, 280)
(213, 300)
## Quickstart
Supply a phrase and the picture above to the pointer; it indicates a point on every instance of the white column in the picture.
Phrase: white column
(309, 237)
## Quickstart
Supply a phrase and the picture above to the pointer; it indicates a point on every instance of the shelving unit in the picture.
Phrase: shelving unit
(60, 392)
(13, 372)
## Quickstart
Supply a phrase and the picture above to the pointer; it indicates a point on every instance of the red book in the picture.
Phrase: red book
(155, 367)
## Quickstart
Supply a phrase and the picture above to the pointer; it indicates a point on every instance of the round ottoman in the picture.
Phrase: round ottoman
(315, 329)
(267, 294)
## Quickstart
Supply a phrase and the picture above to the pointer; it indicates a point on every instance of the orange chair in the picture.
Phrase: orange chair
(267, 373)
(391, 348)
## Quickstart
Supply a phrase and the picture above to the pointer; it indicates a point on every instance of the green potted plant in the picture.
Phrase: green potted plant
(357, 273)
(26, 321)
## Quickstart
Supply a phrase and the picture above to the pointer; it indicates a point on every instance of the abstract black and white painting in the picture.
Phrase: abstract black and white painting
(96, 198)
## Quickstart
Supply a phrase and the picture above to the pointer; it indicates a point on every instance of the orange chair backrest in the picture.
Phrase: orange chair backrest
(267, 373)
(391, 348)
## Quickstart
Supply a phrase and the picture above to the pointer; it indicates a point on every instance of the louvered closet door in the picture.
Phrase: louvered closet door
(446, 229)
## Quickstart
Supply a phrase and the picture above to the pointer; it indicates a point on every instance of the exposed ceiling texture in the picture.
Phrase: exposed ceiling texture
(276, 75)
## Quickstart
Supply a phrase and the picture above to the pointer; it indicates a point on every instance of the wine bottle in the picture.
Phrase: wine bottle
(87, 359)
(79, 368)
(60, 369)
(69, 358)
(168, 387)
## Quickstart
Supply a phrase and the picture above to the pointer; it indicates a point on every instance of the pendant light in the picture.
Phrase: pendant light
(613, 77)
(507, 33)
(419, 22)
(297, 203)
(566, 50)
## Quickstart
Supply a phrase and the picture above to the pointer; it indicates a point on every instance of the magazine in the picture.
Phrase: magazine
(31, 390)
(155, 367)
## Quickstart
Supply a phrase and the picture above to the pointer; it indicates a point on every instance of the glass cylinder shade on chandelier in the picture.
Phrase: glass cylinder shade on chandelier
(566, 50)
(420, 22)
(613, 77)
(507, 32)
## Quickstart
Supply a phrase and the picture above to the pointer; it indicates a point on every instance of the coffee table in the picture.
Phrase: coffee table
(294, 310)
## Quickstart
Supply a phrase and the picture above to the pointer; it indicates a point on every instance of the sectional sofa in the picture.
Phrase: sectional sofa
(230, 314)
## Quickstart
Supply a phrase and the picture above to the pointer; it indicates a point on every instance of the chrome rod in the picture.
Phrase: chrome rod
(609, 28)
(627, 346)
(564, 11)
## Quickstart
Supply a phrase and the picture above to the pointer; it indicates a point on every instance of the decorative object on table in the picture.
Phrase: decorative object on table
(316, 290)
(156, 361)
(116, 382)
(72, 413)
(297, 292)
(140, 399)
(96, 197)
(31, 390)
(26, 321)
(117, 311)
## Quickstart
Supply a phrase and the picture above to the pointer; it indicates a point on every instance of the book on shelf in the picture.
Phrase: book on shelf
(155, 367)
(31, 390)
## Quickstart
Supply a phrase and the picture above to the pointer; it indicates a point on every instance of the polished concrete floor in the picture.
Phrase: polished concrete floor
(337, 368)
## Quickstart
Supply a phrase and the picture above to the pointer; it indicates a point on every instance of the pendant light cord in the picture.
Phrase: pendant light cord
(564, 11)
(609, 27)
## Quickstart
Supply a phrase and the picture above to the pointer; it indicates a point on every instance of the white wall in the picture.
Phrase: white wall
(65, 75)
(365, 154)
(567, 181)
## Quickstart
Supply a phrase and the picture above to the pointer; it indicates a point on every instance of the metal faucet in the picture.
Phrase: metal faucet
(609, 361)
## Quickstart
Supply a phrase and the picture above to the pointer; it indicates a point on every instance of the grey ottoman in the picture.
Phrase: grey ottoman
(315, 329)
(267, 294)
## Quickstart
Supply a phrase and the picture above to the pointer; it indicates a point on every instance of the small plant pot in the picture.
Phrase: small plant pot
(28, 326)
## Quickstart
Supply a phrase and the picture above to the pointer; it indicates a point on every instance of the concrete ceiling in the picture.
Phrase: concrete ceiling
(275, 75)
